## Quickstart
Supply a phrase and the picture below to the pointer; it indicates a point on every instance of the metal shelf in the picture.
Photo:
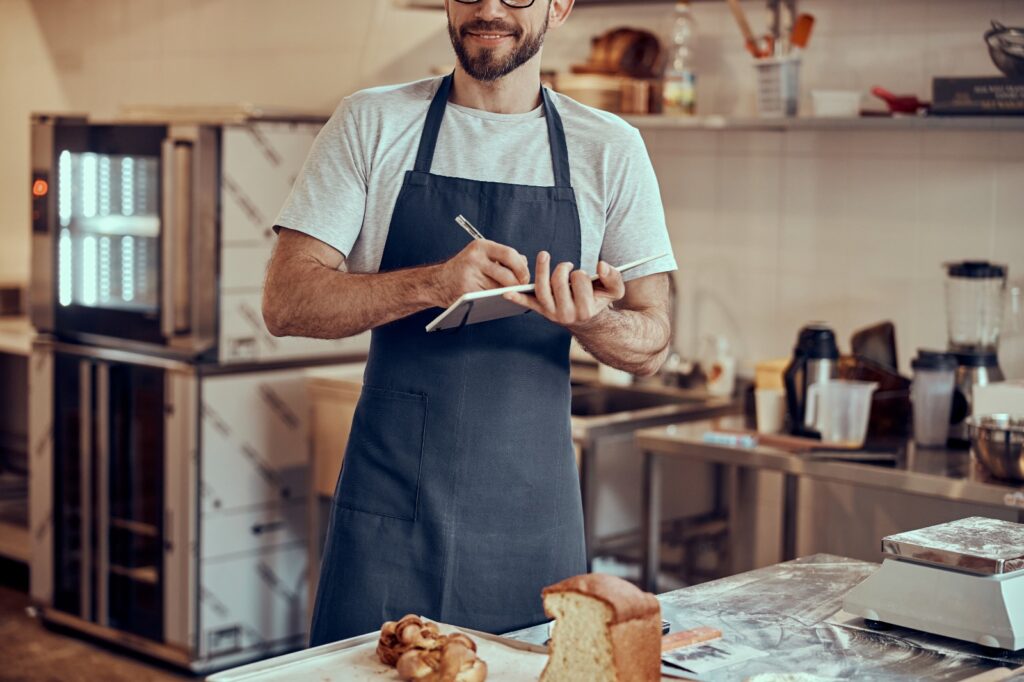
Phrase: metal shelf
(439, 4)
(907, 123)
(136, 527)
(141, 574)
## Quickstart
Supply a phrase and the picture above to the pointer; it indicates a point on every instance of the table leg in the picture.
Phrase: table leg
(589, 494)
(720, 497)
(651, 522)
(732, 515)
(790, 498)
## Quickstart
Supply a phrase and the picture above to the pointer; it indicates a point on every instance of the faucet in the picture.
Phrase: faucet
(677, 371)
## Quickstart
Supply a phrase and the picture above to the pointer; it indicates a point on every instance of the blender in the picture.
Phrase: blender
(974, 310)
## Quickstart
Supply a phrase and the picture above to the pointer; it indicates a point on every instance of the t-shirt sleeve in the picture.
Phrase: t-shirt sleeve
(635, 218)
(328, 199)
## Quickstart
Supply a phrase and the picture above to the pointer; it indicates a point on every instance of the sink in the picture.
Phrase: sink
(595, 401)
(600, 409)
(604, 419)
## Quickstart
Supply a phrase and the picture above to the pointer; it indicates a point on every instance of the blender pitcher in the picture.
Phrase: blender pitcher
(975, 293)
(974, 305)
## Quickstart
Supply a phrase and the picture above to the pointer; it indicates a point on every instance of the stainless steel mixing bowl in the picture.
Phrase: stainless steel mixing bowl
(998, 443)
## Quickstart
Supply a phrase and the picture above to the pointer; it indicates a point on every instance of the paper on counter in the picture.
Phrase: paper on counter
(703, 658)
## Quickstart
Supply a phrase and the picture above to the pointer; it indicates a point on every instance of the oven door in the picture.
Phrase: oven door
(124, 233)
(123, 435)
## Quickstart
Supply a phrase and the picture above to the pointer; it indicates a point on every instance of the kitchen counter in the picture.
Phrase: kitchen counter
(939, 473)
(787, 611)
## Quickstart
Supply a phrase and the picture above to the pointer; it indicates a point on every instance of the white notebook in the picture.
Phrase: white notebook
(483, 306)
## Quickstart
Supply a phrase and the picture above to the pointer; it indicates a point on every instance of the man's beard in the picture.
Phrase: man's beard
(485, 66)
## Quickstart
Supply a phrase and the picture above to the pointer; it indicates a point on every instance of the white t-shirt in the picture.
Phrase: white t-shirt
(348, 186)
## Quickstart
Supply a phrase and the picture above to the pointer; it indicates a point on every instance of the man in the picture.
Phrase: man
(459, 497)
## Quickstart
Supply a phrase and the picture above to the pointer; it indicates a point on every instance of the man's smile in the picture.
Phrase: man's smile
(489, 38)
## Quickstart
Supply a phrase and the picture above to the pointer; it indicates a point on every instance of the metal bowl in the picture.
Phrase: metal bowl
(998, 443)
(1006, 47)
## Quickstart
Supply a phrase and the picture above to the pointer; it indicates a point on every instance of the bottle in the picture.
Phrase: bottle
(719, 366)
(679, 82)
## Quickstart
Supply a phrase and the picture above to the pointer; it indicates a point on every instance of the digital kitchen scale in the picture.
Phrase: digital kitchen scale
(963, 579)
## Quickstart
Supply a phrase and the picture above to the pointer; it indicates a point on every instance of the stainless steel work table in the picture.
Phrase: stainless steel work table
(939, 473)
(785, 610)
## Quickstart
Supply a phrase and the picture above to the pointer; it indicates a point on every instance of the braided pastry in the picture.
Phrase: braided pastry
(454, 661)
(411, 632)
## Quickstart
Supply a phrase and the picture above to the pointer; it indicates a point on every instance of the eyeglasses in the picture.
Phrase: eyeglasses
(514, 4)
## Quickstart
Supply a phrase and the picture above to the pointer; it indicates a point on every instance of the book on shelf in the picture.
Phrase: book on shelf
(984, 96)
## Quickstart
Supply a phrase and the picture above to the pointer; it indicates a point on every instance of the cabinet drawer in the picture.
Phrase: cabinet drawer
(256, 601)
(239, 531)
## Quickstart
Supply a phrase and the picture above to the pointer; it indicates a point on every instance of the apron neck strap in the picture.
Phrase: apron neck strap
(432, 127)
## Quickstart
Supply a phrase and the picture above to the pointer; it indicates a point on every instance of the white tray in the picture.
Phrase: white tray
(355, 660)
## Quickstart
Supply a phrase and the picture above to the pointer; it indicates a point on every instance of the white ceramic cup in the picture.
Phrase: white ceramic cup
(770, 404)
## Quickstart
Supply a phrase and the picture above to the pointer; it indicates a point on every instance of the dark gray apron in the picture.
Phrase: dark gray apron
(459, 498)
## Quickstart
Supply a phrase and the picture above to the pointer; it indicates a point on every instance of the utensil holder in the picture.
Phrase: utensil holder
(778, 86)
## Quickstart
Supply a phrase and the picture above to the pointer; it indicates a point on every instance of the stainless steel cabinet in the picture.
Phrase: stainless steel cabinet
(168, 503)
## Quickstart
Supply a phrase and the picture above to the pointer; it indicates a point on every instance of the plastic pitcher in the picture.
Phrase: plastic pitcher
(840, 410)
(932, 396)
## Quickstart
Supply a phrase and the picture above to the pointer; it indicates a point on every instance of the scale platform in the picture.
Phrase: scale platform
(963, 579)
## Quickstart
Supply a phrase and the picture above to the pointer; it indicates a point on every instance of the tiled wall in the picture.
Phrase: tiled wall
(774, 229)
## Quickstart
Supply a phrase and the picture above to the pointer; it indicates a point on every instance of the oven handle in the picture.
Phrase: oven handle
(103, 493)
(85, 414)
(176, 237)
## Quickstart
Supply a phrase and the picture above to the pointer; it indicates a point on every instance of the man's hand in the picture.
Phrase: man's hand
(569, 298)
(483, 264)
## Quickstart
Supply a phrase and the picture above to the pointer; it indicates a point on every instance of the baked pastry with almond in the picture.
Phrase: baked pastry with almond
(454, 661)
(420, 652)
(606, 630)
(410, 632)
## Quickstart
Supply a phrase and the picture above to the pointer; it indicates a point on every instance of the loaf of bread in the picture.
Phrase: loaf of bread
(606, 630)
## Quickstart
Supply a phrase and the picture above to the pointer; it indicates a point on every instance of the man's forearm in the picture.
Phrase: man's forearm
(321, 303)
(632, 340)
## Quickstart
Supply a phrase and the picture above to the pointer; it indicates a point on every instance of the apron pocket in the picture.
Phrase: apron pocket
(381, 471)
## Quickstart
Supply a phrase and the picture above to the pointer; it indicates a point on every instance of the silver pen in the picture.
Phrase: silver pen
(468, 227)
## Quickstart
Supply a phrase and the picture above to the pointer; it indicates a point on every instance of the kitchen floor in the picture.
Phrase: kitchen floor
(30, 651)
